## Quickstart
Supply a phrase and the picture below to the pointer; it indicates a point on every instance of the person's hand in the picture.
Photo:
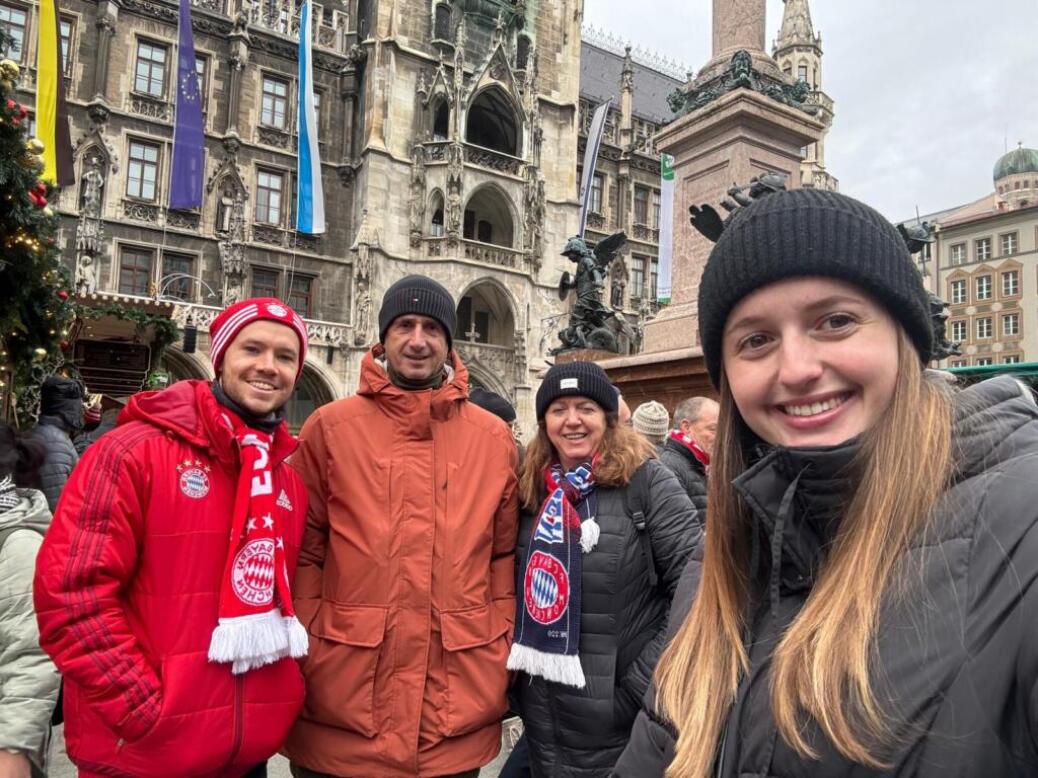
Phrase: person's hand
(14, 765)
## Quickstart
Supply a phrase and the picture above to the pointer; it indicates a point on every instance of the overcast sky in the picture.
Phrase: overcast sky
(927, 92)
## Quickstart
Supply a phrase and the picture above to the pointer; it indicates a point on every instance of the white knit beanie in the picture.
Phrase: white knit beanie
(652, 420)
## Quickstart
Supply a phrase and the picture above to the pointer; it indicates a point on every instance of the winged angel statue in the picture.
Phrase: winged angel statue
(592, 324)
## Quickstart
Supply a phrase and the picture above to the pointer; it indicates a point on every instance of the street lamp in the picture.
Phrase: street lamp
(166, 280)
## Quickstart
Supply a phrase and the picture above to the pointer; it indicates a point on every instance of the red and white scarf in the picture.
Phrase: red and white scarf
(691, 445)
(257, 623)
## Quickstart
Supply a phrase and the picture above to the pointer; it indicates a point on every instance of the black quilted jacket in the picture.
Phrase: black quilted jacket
(957, 663)
(689, 470)
(581, 732)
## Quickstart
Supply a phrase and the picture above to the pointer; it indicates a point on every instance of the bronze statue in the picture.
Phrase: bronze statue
(591, 323)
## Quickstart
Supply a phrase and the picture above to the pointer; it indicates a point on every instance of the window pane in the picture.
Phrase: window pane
(268, 197)
(264, 283)
(142, 171)
(983, 249)
(984, 288)
(12, 20)
(958, 292)
(176, 272)
(641, 205)
(134, 271)
(299, 290)
(596, 194)
(1010, 283)
(66, 44)
(1009, 244)
(274, 108)
(150, 76)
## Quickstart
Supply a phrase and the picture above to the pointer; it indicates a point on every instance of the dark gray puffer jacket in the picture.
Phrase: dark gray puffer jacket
(957, 659)
(689, 470)
(61, 458)
(581, 732)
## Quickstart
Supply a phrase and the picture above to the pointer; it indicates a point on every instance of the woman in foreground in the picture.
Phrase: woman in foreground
(866, 604)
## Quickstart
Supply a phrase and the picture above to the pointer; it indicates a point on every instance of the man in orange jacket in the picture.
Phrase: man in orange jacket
(406, 573)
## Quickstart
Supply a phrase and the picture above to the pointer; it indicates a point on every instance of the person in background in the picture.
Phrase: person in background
(688, 446)
(61, 418)
(29, 681)
(605, 533)
(652, 420)
(623, 410)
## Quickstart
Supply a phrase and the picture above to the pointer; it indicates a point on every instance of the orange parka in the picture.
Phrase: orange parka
(406, 580)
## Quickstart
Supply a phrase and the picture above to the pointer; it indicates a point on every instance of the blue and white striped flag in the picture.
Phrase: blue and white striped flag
(309, 192)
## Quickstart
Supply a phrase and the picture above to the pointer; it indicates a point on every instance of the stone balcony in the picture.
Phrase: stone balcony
(493, 160)
(322, 333)
(488, 253)
(158, 215)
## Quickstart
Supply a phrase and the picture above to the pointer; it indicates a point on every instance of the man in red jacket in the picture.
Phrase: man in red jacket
(162, 587)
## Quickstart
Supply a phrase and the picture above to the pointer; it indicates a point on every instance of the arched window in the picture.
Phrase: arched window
(522, 52)
(442, 22)
(484, 316)
(436, 209)
(492, 123)
(441, 120)
(488, 217)
(310, 394)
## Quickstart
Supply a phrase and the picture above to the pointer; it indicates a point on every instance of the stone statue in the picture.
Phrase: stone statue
(362, 317)
(942, 347)
(591, 324)
(618, 274)
(417, 193)
(916, 236)
(86, 274)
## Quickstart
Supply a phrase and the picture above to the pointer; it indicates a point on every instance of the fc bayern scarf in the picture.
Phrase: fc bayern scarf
(257, 624)
(548, 637)
(691, 445)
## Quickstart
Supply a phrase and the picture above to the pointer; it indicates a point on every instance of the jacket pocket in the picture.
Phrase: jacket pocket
(343, 664)
(475, 643)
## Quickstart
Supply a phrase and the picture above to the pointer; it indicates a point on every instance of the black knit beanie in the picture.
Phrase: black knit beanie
(585, 379)
(418, 294)
(493, 402)
(809, 232)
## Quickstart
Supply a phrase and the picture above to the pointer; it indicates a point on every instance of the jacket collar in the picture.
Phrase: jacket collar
(686, 453)
(417, 408)
(795, 497)
(189, 411)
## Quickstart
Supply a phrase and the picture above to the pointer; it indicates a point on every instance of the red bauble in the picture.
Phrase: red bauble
(65, 345)
(11, 104)
(62, 295)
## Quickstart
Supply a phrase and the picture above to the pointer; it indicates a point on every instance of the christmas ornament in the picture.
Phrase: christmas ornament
(62, 295)
(36, 146)
(39, 354)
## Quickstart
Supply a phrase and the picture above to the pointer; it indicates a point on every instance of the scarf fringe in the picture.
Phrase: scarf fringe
(560, 668)
(589, 532)
(257, 640)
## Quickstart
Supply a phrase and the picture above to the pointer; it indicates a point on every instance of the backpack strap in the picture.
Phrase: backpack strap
(636, 504)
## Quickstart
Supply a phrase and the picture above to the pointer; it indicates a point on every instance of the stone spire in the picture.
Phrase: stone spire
(797, 29)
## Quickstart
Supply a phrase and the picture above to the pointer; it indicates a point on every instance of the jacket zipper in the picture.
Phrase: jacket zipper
(239, 715)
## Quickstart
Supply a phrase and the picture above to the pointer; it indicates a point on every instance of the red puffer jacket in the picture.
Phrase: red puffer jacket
(127, 588)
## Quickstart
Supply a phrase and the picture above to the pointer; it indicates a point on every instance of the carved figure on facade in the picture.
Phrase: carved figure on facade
(367, 238)
(232, 248)
(90, 228)
(591, 323)
(417, 197)
(618, 275)
(533, 196)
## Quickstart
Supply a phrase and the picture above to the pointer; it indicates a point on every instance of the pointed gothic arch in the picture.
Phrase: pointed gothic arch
(493, 121)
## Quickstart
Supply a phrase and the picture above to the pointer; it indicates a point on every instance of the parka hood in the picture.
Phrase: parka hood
(440, 402)
(31, 512)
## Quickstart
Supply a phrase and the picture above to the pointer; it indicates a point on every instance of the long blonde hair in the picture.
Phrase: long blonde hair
(621, 453)
(821, 666)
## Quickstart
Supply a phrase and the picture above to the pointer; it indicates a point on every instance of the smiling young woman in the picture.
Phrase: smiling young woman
(865, 524)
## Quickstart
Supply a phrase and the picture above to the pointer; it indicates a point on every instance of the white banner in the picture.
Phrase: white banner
(594, 140)
(666, 228)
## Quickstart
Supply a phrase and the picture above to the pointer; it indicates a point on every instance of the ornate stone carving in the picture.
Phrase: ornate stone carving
(741, 74)
(595, 221)
(272, 136)
(183, 220)
(417, 196)
(618, 278)
(305, 242)
(141, 212)
(367, 238)
(90, 229)
(436, 151)
(455, 171)
(262, 233)
(493, 255)
(497, 360)
(645, 233)
(533, 222)
(211, 5)
(149, 107)
(493, 160)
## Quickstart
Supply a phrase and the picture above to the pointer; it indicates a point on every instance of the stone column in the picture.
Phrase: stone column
(738, 24)
(239, 58)
(107, 18)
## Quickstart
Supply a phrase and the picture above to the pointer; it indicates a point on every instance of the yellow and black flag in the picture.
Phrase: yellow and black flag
(52, 125)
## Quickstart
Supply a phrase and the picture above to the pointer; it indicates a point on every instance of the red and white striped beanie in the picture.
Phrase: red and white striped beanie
(229, 323)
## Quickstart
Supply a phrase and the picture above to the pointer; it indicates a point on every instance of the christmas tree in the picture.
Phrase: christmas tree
(36, 312)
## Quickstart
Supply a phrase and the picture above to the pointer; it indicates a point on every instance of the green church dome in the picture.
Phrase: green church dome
(1018, 160)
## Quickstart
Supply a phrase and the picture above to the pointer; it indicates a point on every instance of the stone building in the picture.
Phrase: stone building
(448, 146)
(625, 192)
(984, 263)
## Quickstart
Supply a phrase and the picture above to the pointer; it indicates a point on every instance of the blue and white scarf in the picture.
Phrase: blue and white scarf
(548, 637)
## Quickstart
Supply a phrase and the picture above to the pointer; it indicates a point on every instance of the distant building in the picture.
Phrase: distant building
(984, 263)
(625, 193)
